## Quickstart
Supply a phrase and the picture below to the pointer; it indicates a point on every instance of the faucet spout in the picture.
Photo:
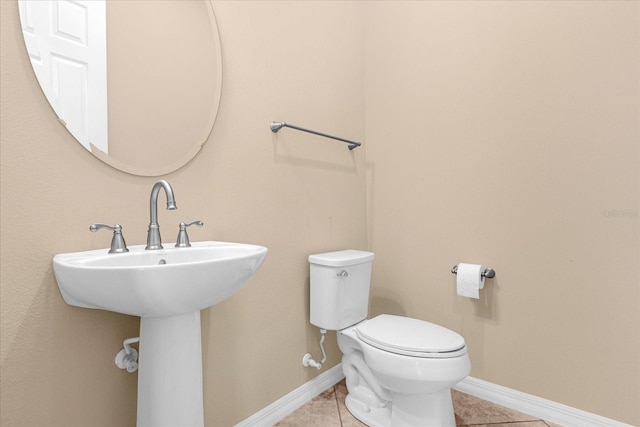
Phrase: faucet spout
(153, 233)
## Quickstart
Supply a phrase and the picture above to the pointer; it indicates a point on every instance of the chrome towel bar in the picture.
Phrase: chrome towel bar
(276, 126)
(487, 273)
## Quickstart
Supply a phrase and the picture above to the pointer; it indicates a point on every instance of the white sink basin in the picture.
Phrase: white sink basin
(153, 283)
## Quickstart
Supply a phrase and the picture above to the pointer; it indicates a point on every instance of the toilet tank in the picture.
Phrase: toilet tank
(339, 288)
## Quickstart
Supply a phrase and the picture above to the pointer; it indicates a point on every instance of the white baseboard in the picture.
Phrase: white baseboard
(533, 405)
(287, 404)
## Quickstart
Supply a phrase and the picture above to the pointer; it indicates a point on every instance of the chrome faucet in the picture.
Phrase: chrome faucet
(153, 233)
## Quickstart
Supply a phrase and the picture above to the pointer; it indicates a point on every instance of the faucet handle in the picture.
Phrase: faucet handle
(118, 244)
(183, 238)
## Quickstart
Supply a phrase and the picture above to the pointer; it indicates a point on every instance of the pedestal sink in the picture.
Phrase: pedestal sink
(167, 288)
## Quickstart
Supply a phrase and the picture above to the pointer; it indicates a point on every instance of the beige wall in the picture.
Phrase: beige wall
(487, 140)
(295, 193)
(504, 133)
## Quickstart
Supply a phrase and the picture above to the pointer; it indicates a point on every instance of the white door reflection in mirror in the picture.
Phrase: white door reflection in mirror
(66, 42)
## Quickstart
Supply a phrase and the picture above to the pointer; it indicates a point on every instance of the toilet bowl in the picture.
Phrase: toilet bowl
(414, 362)
(399, 370)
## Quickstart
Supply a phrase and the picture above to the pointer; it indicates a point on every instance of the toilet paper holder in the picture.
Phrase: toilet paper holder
(488, 273)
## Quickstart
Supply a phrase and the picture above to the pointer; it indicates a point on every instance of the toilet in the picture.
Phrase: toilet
(399, 371)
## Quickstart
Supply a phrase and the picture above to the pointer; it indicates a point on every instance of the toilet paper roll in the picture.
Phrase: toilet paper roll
(469, 280)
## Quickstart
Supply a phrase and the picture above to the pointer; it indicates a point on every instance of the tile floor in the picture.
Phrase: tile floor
(328, 410)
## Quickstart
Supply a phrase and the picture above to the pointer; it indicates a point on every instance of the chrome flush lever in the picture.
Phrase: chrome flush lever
(118, 244)
(183, 238)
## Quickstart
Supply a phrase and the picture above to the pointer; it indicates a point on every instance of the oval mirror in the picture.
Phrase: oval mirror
(136, 82)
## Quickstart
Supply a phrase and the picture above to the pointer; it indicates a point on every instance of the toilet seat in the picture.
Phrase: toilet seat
(410, 337)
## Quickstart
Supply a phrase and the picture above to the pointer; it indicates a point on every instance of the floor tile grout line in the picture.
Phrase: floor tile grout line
(335, 395)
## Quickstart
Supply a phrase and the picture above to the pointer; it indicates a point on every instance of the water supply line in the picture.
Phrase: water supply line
(307, 359)
(127, 358)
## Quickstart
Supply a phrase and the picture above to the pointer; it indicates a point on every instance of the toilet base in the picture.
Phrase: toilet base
(373, 417)
(426, 410)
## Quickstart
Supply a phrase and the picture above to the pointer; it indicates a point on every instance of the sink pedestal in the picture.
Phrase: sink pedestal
(170, 372)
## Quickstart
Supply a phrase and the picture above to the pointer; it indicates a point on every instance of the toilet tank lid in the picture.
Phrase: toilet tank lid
(341, 258)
